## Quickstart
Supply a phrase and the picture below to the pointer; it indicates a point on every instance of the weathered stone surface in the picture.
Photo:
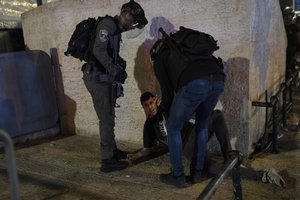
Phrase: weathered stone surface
(250, 33)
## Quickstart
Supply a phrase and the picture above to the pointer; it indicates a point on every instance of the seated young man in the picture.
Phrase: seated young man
(155, 141)
(154, 132)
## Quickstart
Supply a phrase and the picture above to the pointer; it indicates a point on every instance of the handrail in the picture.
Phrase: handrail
(11, 165)
(279, 108)
(232, 164)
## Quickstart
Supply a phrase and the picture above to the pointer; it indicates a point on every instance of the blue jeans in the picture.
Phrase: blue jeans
(199, 96)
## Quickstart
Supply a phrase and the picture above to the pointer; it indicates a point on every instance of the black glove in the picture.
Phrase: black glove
(121, 62)
(121, 77)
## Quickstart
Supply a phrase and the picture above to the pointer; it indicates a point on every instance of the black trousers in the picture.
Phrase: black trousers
(213, 168)
(217, 125)
(104, 104)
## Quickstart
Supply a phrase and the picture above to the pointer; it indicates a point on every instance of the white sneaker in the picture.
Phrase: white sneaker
(271, 176)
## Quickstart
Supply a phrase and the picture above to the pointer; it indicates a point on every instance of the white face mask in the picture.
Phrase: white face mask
(134, 33)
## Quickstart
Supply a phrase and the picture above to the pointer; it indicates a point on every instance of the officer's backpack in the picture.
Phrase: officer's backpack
(82, 37)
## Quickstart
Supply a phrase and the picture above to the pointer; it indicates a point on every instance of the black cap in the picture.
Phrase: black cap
(137, 11)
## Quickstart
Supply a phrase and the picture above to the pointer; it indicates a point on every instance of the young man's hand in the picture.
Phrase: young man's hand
(135, 156)
(158, 99)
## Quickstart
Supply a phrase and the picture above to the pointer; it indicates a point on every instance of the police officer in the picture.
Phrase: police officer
(291, 33)
(104, 74)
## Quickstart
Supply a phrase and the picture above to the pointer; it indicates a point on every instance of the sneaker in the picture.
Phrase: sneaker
(271, 176)
(170, 179)
(119, 154)
(112, 164)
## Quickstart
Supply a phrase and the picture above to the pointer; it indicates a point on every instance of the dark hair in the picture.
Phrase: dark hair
(145, 96)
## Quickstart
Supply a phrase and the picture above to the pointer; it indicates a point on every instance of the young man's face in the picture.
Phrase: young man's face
(150, 107)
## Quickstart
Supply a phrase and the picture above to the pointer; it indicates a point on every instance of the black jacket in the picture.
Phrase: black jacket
(198, 69)
(107, 45)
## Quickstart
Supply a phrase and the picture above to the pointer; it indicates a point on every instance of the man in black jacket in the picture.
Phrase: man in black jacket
(103, 75)
(192, 87)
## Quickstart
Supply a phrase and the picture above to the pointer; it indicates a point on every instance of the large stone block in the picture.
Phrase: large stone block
(251, 37)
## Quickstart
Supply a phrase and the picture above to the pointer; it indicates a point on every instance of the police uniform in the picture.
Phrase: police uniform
(103, 75)
(98, 78)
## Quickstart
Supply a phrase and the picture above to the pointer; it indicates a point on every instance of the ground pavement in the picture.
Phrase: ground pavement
(62, 168)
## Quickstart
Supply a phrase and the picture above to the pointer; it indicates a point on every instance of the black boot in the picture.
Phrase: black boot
(119, 154)
(112, 164)
(198, 176)
(170, 179)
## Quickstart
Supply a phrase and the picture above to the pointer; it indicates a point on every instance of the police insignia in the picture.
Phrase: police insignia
(103, 35)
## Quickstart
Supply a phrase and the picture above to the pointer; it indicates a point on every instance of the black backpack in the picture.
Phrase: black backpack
(82, 38)
(184, 46)
(191, 44)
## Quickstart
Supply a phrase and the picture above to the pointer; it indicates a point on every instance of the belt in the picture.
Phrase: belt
(95, 67)
(98, 69)
(98, 75)
(104, 78)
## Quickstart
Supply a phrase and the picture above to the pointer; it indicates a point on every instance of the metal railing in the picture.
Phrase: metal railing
(280, 104)
(11, 165)
(232, 164)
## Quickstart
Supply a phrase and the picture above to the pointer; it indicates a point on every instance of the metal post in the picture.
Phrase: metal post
(213, 185)
(236, 179)
(284, 107)
(11, 165)
(290, 85)
(274, 101)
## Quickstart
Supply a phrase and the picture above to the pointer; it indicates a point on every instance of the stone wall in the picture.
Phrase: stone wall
(250, 34)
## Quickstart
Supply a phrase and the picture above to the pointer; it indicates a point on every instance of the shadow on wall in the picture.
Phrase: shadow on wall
(68, 124)
(235, 100)
(143, 70)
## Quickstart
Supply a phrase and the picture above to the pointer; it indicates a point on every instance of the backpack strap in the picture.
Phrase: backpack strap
(172, 44)
(89, 51)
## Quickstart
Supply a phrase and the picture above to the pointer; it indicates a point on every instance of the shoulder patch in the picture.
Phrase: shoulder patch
(103, 35)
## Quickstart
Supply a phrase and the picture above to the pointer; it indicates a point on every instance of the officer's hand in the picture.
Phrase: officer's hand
(121, 76)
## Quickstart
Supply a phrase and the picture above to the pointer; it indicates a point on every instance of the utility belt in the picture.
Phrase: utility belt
(93, 73)
(97, 75)
(103, 78)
